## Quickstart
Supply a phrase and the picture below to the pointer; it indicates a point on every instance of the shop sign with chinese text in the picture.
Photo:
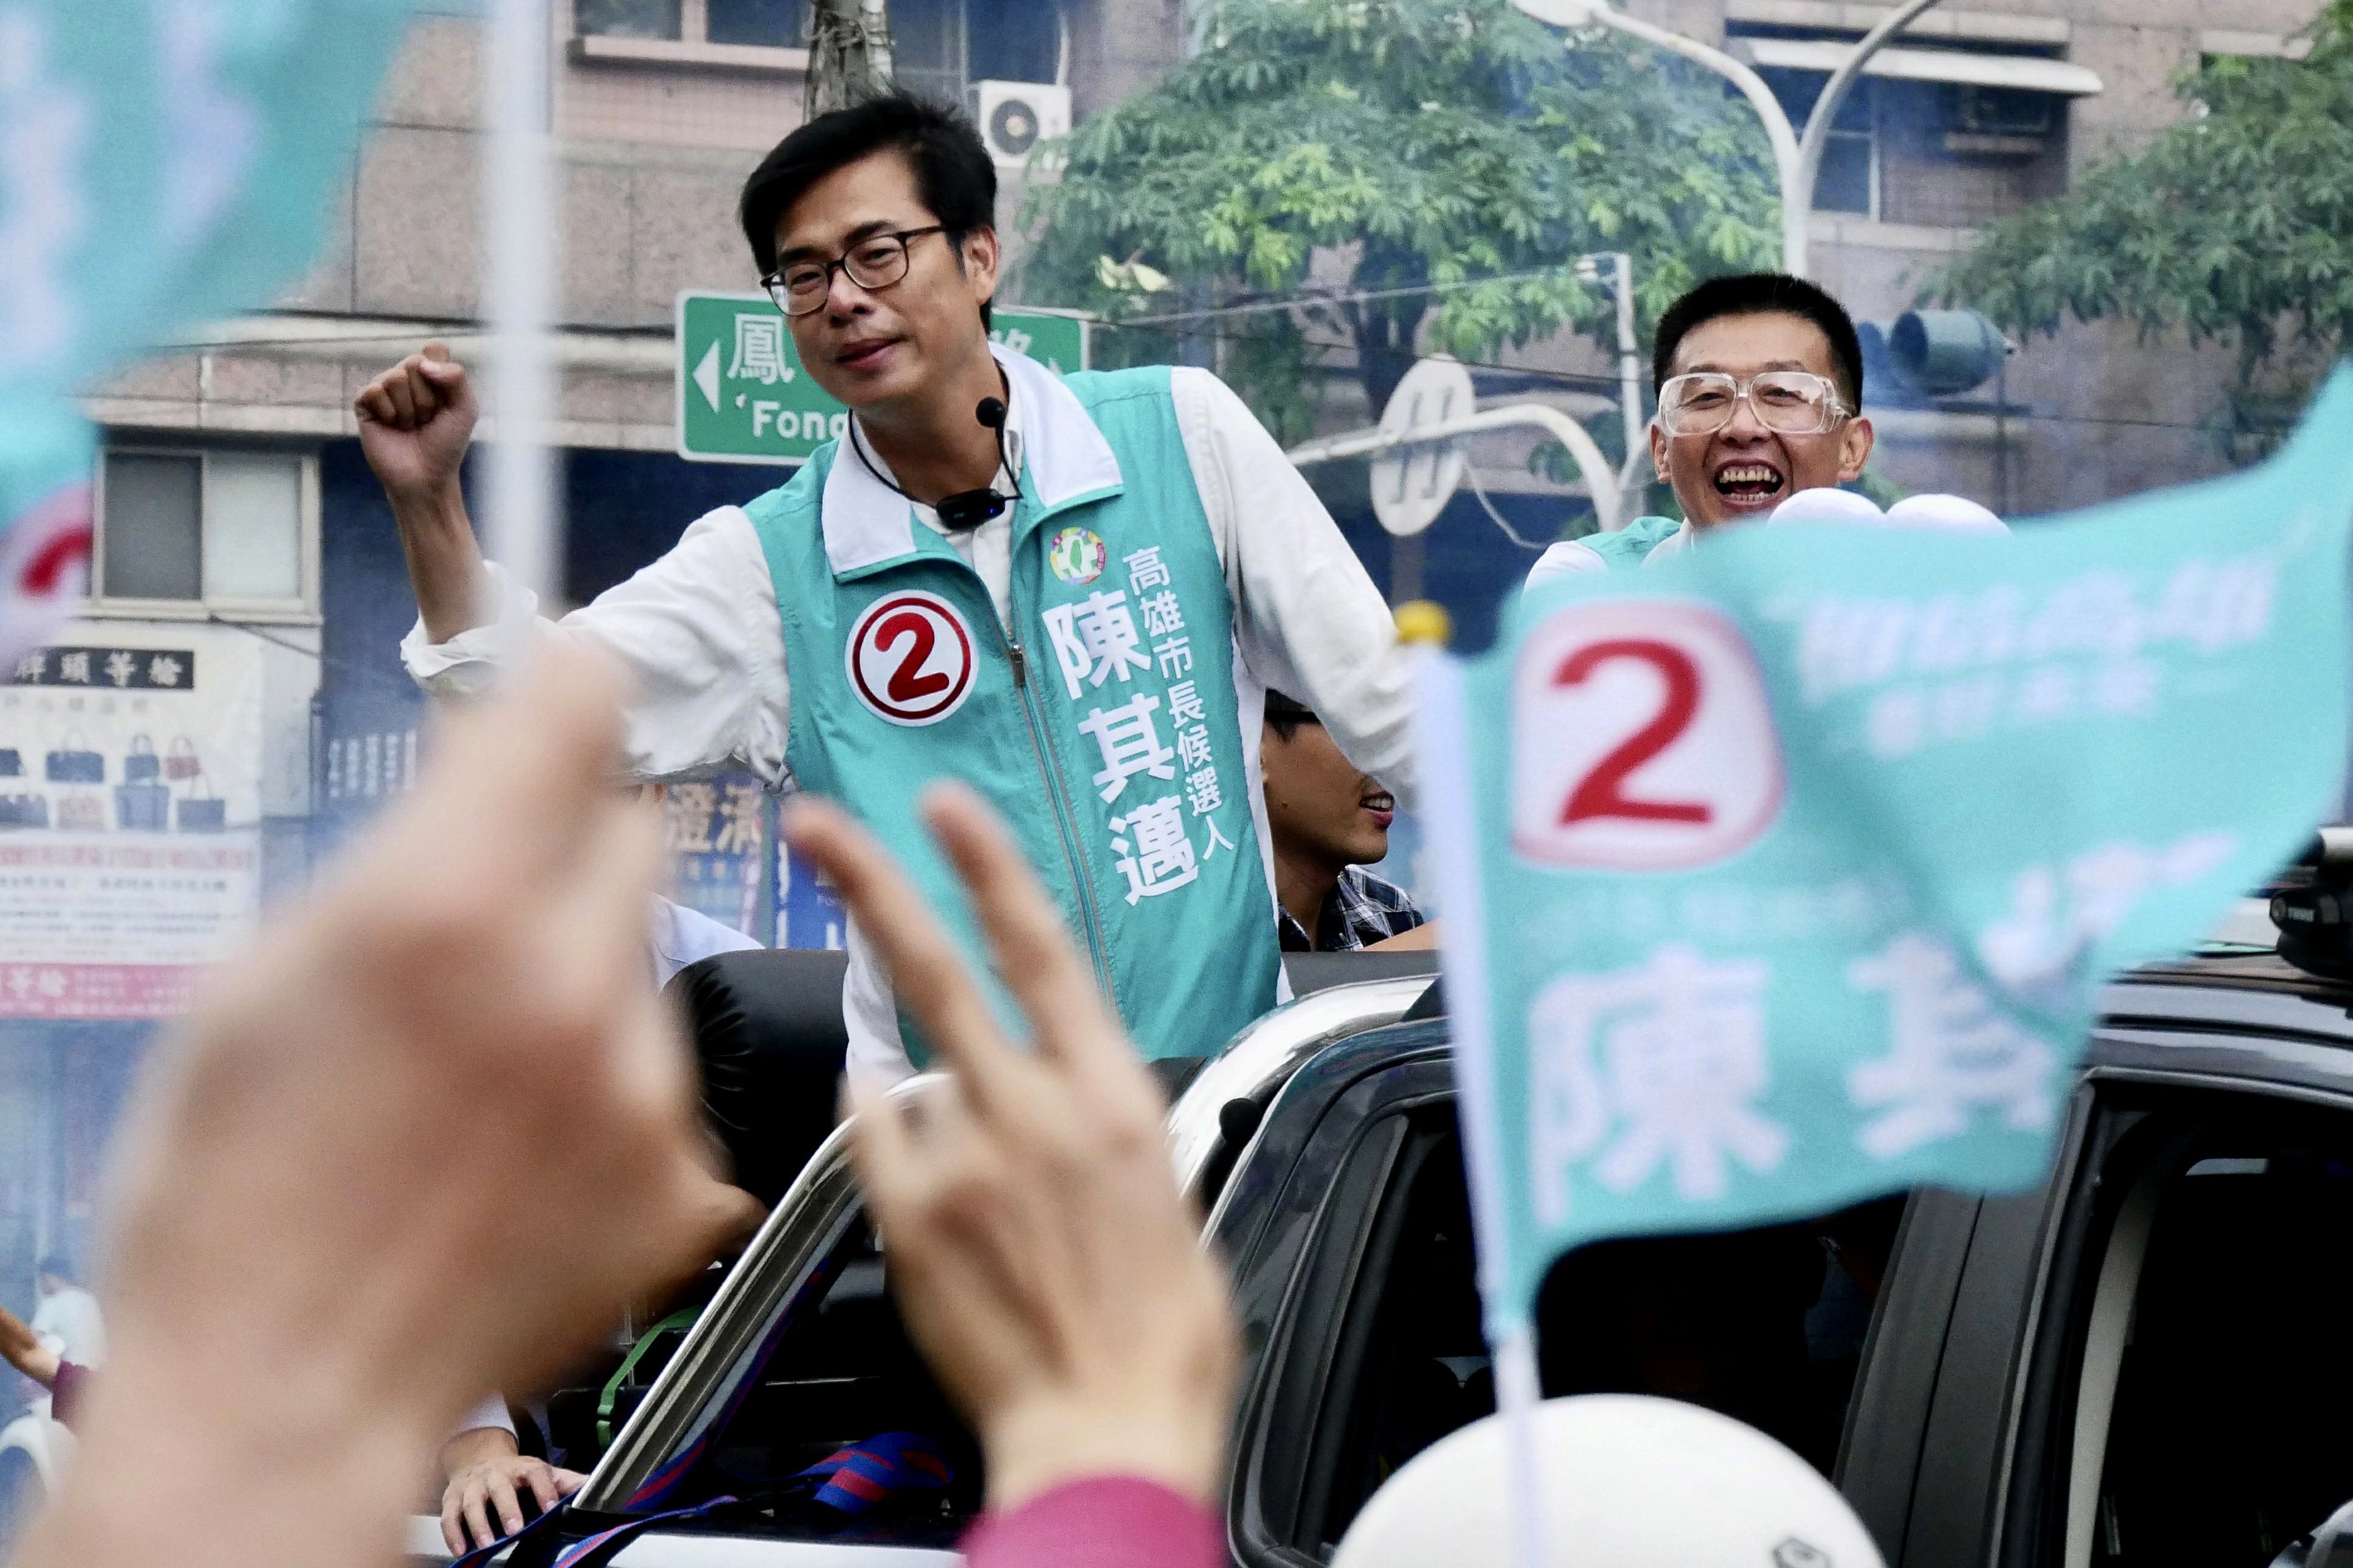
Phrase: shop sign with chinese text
(717, 831)
(130, 817)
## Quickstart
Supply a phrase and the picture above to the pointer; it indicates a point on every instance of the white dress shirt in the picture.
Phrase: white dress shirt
(69, 1323)
(680, 935)
(699, 629)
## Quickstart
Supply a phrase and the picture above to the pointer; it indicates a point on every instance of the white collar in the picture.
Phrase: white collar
(1048, 430)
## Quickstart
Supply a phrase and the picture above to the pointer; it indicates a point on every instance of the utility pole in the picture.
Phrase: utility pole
(849, 55)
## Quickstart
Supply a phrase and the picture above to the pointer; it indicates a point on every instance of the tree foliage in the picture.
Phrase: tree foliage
(2235, 226)
(1406, 144)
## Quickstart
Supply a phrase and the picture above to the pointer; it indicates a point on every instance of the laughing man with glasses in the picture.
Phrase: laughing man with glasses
(1759, 384)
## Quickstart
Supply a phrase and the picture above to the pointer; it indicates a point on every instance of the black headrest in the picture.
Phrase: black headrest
(766, 1028)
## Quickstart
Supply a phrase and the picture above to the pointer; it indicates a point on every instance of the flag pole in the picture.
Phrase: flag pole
(519, 226)
(1450, 825)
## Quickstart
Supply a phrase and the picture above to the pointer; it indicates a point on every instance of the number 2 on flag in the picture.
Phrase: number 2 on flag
(1641, 739)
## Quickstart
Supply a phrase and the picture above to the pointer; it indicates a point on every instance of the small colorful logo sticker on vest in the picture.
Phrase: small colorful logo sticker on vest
(911, 657)
(1077, 555)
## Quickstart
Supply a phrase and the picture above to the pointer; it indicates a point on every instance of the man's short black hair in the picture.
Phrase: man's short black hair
(1285, 717)
(953, 173)
(1757, 293)
(56, 1266)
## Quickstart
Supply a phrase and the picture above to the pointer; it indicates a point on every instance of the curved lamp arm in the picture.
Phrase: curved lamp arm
(1777, 129)
(1797, 160)
(1600, 480)
(1811, 145)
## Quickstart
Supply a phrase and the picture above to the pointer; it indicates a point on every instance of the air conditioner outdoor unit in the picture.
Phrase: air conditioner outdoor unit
(1015, 116)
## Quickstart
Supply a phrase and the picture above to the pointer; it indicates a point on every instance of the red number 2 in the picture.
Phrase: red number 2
(1602, 792)
(907, 684)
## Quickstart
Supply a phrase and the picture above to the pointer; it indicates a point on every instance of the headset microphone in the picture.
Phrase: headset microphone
(971, 508)
(967, 509)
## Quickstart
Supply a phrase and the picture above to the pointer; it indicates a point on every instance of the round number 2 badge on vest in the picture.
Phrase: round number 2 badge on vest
(911, 657)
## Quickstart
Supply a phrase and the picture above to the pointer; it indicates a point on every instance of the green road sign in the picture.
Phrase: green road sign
(743, 395)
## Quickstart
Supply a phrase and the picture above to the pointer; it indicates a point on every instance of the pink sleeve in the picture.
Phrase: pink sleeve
(1105, 1521)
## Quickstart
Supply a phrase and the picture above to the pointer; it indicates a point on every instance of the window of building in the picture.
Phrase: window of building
(927, 47)
(1849, 178)
(224, 528)
(776, 23)
(628, 19)
(939, 47)
(760, 24)
(1935, 136)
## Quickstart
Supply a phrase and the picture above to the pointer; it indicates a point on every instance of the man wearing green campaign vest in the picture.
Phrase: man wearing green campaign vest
(1071, 593)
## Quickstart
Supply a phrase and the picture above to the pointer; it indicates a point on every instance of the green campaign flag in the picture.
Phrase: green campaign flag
(1785, 872)
(161, 162)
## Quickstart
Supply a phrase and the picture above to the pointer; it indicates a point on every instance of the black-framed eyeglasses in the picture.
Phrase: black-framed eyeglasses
(877, 262)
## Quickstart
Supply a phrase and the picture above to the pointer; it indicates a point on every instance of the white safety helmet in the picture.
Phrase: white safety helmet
(1629, 1482)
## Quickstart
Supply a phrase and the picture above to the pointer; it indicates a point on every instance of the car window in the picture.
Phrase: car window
(842, 1375)
(1764, 1325)
(2214, 1366)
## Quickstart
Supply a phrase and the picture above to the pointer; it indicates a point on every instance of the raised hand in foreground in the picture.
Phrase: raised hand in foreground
(1042, 1256)
(425, 1140)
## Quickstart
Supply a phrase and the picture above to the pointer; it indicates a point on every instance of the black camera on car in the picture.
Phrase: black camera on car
(2312, 904)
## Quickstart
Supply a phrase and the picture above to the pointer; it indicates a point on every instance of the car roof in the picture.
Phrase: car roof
(2244, 968)
(2215, 995)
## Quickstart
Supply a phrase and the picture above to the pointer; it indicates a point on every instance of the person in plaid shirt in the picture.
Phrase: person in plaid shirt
(1327, 820)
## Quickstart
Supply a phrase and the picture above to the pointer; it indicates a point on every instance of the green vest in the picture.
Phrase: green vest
(1103, 723)
(1631, 545)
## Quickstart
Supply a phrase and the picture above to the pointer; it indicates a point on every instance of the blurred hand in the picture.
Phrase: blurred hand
(1041, 1254)
(427, 1139)
(488, 1475)
(416, 420)
(22, 1348)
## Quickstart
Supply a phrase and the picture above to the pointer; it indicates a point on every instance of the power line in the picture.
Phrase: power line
(1602, 382)
(1358, 297)
(1597, 381)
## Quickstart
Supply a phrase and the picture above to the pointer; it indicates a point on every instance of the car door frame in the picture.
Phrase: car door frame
(1994, 1284)
(1297, 1223)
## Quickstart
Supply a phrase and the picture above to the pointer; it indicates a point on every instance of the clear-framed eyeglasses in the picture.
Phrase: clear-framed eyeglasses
(877, 262)
(1789, 402)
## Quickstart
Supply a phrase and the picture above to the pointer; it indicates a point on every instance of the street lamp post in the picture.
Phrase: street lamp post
(1630, 358)
(1797, 159)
